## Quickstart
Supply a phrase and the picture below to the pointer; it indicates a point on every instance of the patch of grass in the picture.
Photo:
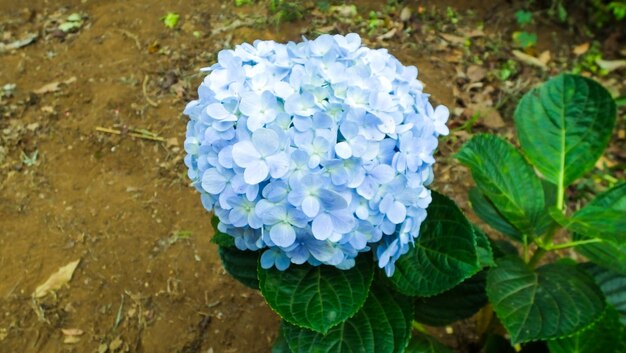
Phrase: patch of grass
(170, 20)
(30, 160)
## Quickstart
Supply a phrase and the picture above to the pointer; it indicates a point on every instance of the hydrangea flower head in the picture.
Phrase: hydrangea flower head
(315, 151)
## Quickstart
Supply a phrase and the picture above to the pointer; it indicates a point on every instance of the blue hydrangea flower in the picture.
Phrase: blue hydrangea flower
(314, 152)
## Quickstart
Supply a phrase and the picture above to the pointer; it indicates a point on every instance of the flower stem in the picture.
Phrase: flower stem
(536, 257)
(418, 327)
(574, 244)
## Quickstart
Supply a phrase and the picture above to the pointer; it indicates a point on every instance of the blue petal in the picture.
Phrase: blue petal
(267, 259)
(245, 154)
(383, 173)
(265, 141)
(397, 213)
(282, 262)
(310, 206)
(282, 234)
(238, 217)
(213, 181)
(322, 227)
(217, 111)
(321, 250)
(343, 150)
(256, 172)
(278, 164)
(332, 201)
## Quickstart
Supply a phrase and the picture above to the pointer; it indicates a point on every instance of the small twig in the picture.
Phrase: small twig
(145, 136)
(132, 36)
(145, 92)
(118, 317)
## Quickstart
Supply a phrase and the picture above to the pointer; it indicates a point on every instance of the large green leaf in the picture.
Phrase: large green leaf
(506, 179)
(606, 254)
(605, 336)
(280, 345)
(242, 265)
(613, 285)
(564, 126)
(554, 301)
(545, 221)
(495, 343)
(317, 297)
(502, 248)
(610, 254)
(604, 217)
(488, 213)
(219, 238)
(483, 248)
(444, 254)
(456, 304)
(383, 325)
(422, 343)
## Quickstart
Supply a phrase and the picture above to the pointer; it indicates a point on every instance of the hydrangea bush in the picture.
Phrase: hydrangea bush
(316, 151)
(315, 158)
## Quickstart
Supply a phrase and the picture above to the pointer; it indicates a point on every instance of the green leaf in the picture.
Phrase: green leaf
(488, 213)
(422, 343)
(220, 238)
(545, 221)
(598, 222)
(604, 217)
(564, 126)
(497, 344)
(483, 248)
(317, 297)
(605, 336)
(608, 255)
(504, 177)
(445, 253)
(523, 17)
(525, 39)
(242, 265)
(554, 301)
(502, 248)
(613, 285)
(170, 20)
(456, 304)
(611, 255)
(280, 345)
(383, 325)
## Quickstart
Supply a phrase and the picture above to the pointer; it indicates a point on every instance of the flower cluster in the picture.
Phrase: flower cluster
(314, 151)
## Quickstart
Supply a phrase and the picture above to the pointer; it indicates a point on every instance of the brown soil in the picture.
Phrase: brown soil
(149, 280)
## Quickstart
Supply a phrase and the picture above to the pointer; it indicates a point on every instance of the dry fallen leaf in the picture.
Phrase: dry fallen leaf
(71, 335)
(72, 331)
(529, 59)
(545, 57)
(488, 116)
(405, 14)
(476, 73)
(71, 339)
(581, 49)
(387, 35)
(54, 86)
(30, 38)
(604, 162)
(57, 280)
(116, 344)
(171, 142)
(610, 65)
(452, 38)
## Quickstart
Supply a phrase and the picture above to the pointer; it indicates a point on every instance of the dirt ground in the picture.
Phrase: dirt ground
(149, 280)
